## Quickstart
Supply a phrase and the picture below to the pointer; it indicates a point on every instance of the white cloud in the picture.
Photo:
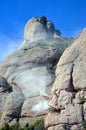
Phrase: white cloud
(8, 45)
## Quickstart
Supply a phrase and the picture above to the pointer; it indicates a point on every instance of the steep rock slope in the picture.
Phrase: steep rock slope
(69, 90)
(30, 71)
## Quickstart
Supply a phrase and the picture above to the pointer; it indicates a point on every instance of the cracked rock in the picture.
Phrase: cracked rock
(70, 86)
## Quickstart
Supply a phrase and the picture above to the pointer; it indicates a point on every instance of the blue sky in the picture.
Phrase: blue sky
(68, 15)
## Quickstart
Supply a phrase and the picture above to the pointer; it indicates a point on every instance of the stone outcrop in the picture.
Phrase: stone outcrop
(30, 72)
(69, 89)
(5, 90)
(39, 28)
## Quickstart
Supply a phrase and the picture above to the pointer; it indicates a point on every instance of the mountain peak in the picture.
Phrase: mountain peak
(39, 28)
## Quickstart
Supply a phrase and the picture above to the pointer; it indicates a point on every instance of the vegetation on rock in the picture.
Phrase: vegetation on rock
(84, 125)
(38, 125)
(66, 126)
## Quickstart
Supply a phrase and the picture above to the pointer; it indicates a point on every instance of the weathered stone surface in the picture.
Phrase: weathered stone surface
(76, 127)
(38, 28)
(12, 107)
(30, 71)
(5, 89)
(59, 127)
(34, 106)
(69, 89)
(69, 115)
(65, 98)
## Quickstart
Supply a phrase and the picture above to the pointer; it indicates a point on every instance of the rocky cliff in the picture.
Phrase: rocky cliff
(28, 74)
(69, 89)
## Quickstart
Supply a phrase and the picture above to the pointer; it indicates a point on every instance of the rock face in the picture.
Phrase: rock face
(39, 28)
(5, 90)
(30, 72)
(69, 89)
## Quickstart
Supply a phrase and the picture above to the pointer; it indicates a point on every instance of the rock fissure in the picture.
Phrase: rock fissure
(56, 124)
(71, 85)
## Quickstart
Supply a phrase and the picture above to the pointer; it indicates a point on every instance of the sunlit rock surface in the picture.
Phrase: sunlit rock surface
(69, 89)
(39, 28)
(30, 71)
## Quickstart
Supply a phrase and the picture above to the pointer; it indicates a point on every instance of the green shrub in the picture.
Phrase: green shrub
(5, 127)
(84, 124)
(38, 125)
(15, 126)
(82, 100)
(66, 126)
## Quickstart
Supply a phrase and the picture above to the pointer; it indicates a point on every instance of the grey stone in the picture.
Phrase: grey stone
(70, 86)
(12, 107)
(4, 85)
(38, 28)
(30, 71)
